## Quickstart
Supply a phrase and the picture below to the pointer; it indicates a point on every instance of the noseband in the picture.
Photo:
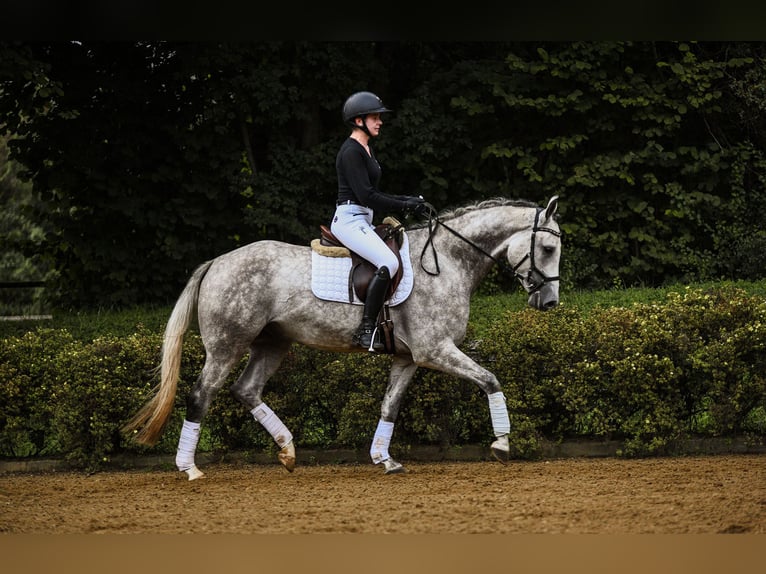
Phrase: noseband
(535, 277)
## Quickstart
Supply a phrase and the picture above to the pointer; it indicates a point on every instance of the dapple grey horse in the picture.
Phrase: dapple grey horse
(257, 299)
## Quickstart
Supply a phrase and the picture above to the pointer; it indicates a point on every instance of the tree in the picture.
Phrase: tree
(110, 154)
(625, 133)
(19, 237)
(147, 158)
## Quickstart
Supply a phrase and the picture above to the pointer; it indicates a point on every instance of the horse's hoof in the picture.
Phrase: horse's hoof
(501, 450)
(392, 467)
(287, 456)
(194, 473)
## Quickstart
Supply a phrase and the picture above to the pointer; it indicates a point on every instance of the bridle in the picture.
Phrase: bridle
(534, 279)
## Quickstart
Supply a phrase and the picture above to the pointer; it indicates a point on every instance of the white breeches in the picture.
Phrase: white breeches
(352, 225)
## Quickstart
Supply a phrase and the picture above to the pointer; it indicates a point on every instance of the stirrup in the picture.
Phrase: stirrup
(366, 336)
(375, 343)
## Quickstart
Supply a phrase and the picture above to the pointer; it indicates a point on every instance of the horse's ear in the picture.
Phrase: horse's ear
(553, 205)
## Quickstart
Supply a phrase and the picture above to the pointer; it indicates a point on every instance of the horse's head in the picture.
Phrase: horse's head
(535, 258)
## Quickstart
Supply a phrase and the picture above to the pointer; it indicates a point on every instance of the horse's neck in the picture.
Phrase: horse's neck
(488, 229)
(491, 227)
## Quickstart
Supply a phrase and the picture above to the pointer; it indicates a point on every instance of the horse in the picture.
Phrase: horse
(257, 299)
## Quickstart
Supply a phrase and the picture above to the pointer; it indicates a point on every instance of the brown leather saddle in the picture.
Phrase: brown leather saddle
(390, 231)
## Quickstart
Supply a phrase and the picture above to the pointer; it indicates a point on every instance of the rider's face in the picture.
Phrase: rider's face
(373, 123)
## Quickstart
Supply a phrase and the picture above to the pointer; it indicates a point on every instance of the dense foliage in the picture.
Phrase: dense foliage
(647, 374)
(20, 238)
(148, 157)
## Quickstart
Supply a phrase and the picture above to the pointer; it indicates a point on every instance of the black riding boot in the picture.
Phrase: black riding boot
(376, 295)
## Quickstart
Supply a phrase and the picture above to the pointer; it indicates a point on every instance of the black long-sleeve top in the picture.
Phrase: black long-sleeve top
(358, 178)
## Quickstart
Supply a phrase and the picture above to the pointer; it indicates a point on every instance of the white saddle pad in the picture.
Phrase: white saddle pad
(329, 277)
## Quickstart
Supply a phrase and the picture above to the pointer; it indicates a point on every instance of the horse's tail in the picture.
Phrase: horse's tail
(149, 422)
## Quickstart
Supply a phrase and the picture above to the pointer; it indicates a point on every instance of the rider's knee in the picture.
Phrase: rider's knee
(383, 273)
(392, 264)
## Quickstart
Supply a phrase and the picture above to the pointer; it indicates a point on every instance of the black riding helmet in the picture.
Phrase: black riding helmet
(359, 105)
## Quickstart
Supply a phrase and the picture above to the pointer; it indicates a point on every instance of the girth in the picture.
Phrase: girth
(390, 231)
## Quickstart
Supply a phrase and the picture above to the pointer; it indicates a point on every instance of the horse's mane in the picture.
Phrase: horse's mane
(484, 204)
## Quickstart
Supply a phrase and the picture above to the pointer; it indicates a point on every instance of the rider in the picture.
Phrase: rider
(358, 197)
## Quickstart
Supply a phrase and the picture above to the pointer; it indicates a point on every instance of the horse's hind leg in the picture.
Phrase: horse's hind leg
(265, 358)
(198, 403)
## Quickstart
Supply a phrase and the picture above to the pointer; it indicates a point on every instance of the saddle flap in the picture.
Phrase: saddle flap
(330, 275)
(392, 234)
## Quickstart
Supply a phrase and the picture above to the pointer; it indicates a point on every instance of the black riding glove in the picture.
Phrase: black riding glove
(415, 204)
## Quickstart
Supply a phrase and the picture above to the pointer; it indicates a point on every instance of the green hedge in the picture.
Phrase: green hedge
(645, 374)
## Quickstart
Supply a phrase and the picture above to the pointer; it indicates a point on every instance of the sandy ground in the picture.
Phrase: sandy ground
(687, 495)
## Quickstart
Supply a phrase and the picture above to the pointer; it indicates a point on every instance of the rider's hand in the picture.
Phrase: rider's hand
(416, 205)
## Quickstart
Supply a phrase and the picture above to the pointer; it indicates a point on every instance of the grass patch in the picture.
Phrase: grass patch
(86, 325)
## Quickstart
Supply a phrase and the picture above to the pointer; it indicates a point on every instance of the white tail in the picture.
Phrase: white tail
(147, 424)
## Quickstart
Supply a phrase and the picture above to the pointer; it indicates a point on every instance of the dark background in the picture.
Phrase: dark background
(130, 162)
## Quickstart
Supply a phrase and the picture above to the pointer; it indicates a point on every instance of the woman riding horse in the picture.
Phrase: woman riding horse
(358, 198)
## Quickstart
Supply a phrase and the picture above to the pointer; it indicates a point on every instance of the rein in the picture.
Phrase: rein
(534, 276)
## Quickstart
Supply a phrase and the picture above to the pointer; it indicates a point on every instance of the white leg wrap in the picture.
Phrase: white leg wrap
(501, 424)
(379, 448)
(187, 445)
(272, 423)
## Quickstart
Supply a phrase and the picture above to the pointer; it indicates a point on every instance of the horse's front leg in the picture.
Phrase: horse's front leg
(402, 370)
(453, 361)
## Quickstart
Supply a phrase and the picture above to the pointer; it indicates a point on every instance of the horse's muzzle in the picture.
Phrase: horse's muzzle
(545, 298)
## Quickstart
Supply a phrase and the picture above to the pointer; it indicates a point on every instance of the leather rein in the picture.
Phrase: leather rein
(535, 277)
